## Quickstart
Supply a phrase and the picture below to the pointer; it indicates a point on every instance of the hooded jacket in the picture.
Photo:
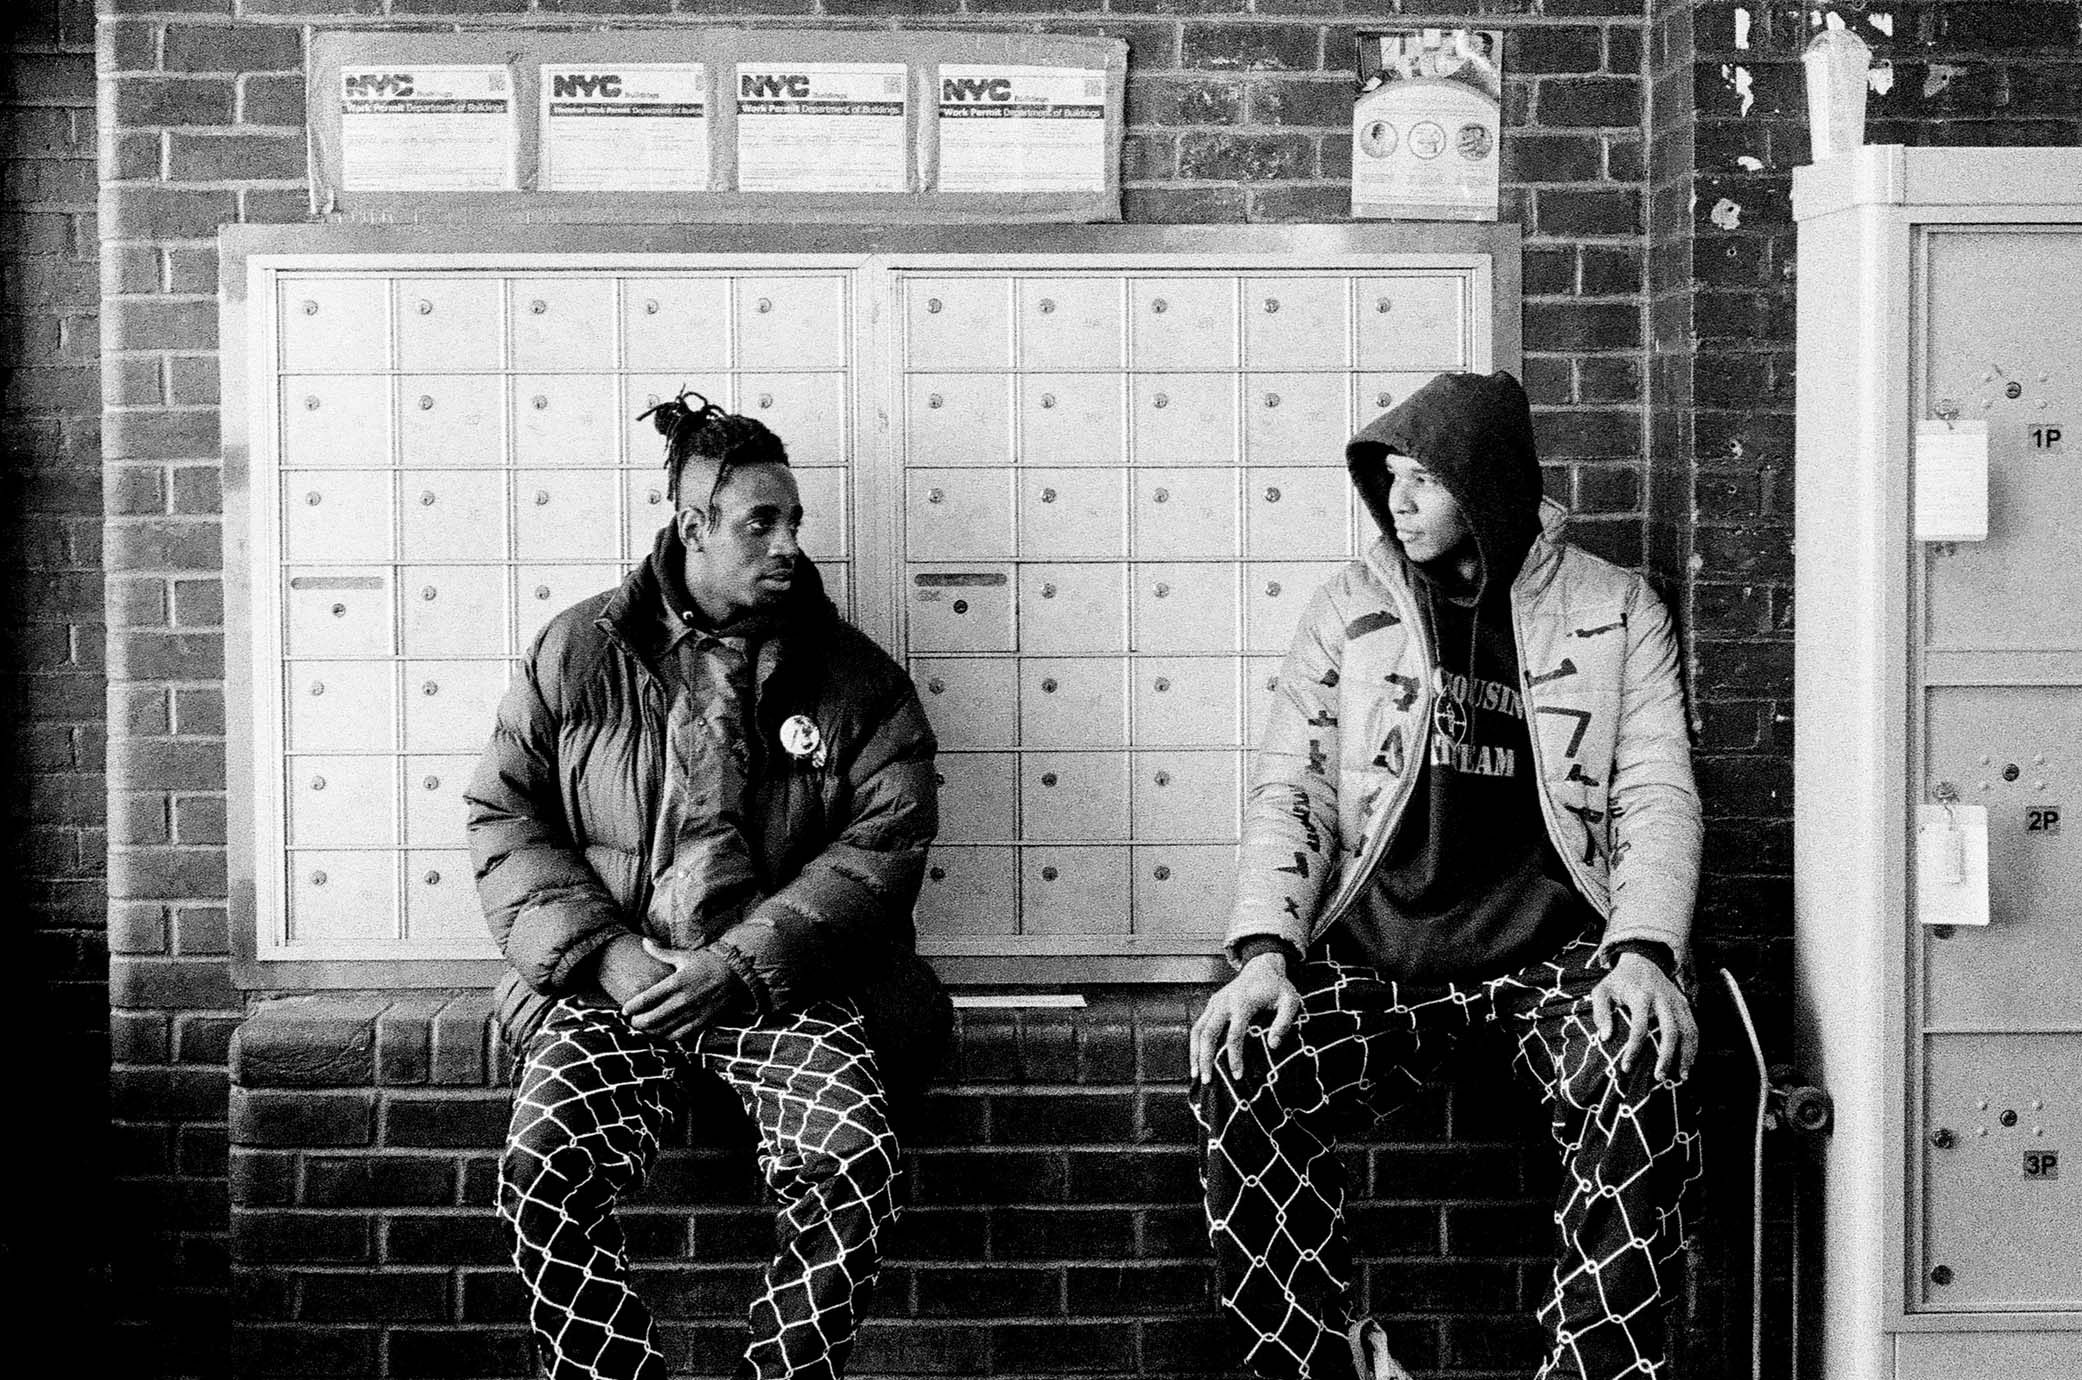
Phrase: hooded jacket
(802, 865)
(1352, 720)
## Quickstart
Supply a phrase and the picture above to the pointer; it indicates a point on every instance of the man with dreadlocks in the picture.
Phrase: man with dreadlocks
(698, 833)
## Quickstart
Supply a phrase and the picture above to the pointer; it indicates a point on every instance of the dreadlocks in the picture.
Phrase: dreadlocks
(709, 434)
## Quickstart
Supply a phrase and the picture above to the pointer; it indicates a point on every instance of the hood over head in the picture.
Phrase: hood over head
(1474, 432)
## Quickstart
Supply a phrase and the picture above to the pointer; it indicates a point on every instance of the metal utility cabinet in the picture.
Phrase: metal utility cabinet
(1939, 690)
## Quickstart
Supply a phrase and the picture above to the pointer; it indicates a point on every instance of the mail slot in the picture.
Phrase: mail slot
(339, 613)
(959, 609)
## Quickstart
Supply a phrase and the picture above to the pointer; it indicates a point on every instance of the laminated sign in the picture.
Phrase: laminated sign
(1022, 129)
(1426, 122)
(632, 126)
(821, 127)
(413, 128)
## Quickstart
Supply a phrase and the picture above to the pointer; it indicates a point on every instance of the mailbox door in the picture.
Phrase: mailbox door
(561, 323)
(676, 324)
(1074, 890)
(967, 892)
(447, 324)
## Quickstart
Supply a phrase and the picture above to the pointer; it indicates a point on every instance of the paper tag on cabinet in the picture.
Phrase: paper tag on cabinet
(1952, 481)
(1952, 864)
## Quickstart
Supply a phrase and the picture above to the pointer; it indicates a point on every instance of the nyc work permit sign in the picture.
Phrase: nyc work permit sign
(821, 127)
(629, 126)
(426, 128)
(1426, 122)
(1022, 129)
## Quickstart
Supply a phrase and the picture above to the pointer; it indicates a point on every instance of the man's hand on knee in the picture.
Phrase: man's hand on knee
(1262, 987)
(1649, 998)
(697, 990)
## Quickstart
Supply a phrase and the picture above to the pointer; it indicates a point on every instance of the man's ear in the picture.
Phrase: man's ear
(693, 525)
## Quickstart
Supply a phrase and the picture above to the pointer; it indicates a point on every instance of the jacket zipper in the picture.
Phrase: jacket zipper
(1377, 846)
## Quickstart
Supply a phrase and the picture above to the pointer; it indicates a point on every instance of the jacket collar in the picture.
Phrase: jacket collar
(646, 614)
(1535, 573)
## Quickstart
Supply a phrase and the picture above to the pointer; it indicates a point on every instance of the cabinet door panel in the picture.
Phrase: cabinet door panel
(968, 891)
(958, 515)
(338, 613)
(1296, 323)
(454, 515)
(959, 610)
(971, 702)
(562, 323)
(564, 420)
(1072, 515)
(1072, 419)
(342, 802)
(451, 421)
(1072, 609)
(1190, 797)
(454, 610)
(1072, 702)
(1184, 700)
(978, 797)
(1412, 322)
(1183, 419)
(1073, 795)
(340, 706)
(671, 324)
(1070, 890)
(330, 422)
(332, 323)
(335, 515)
(1184, 607)
(957, 419)
(792, 322)
(1070, 323)
(1183, 515)
(446, 324)
(1183, 323)
(335, 896)
(563, 515)
(957, 323)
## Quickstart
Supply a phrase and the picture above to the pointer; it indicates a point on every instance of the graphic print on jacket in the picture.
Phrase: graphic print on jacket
(1470, 886)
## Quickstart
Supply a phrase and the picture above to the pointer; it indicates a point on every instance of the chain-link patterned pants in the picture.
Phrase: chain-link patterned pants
(595, 1096)
(1276, 1192)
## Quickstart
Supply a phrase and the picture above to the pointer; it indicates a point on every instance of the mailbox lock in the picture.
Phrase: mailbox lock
(1272, 304)
(961, 606)
(932, 305)
(938, 874)
(426, 402)
(935, 686)
(2008, 1118)
(1048, 495)
(653, 496)
(313, 498)
(1163, 683)
(1159, 306)
(934, 496)
(310, 307)
(433, 879)
(1943, 1138)
(541, 498)
(1047, 305)
(1048, 400)
(317, 687)
(939, 778)
(1272, 495)
(317, 879)
(1161, 496)
(1163, 778)
(1048, 778)
(1941, 1274)
(538, 306)
(1048, 591)
(542, 402)
(2010, 772)
(1381, 306)
(1272, 682)
(430, 688)
(1272, 400)
(339, 610)
(933, 401)
(1048, 874)
(426, 499)
(1163, 591)
(433, 783)
(426, 308)
(317, 783)
(428, 593)
(1383, 399)
(1162, 873)
(766, 400)
(650, 306)
(766, 304)
(2014, 390)
(311, 403)
(1048, 686)
(1163, 400)
(542, 591)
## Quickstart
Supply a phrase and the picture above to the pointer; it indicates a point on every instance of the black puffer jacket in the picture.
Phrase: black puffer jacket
(562, 809)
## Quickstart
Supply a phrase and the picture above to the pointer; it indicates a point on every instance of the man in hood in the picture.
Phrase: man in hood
(1473, 802)
(699, 831)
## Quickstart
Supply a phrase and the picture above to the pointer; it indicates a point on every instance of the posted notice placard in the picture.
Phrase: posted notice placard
(1021, 129)
(632, 126)
(821, 127)
(426, 128)
(1426, 123)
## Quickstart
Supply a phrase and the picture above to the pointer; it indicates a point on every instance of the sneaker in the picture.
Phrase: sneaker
(1370, 1358)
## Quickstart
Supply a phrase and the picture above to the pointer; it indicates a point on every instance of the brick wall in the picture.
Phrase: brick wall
(51, 684)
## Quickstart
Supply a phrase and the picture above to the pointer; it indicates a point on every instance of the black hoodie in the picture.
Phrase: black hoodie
(1471, 886)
